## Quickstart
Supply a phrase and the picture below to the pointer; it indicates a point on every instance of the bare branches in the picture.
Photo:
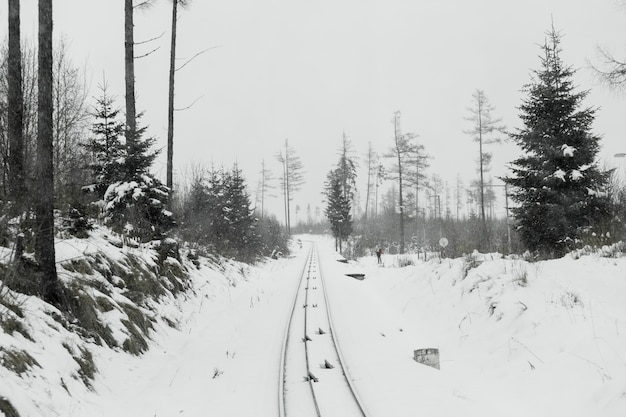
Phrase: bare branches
(189, 106)
(147, 53)
(614, 72)
(143, 5)
(150, 40)
(195, 56)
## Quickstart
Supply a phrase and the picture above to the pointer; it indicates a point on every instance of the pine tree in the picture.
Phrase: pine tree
(338, 207)
(106, 147)
(240, 217)
(137, 204)
(556, 182)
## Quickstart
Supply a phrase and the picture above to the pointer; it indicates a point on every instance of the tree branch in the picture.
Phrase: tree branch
(148, 53)
(615, 74)
(189, 106)
(194, 57)
(145, 3)
(150, 40)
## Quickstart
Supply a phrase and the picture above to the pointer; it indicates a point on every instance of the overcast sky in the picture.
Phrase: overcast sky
(309, 71)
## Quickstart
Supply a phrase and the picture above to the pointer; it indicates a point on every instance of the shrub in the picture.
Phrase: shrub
(402, 261)
(7, 408)
(18, 361)
(137, 208)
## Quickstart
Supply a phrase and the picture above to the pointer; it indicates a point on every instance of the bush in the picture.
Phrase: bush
(7, 408)
(137, 209)
(402, 261)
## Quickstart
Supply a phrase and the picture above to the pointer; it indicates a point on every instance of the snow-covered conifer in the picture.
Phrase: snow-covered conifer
(556, 182)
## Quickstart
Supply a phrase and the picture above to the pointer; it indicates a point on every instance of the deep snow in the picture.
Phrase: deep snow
(515, 339)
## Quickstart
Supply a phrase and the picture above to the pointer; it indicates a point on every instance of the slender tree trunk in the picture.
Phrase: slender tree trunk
(44, 239)
(483, 227)
(262, 189)
(369, 179)
(15, 110)
(285, 193)
(287, 174)
(399, 155)
(170, 108)
(129, 60)
(417, 194)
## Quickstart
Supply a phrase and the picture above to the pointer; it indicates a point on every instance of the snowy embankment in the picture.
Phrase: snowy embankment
(154, 331)
(515, 338)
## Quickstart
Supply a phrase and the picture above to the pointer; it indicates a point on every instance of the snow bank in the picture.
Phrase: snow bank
(541, 339)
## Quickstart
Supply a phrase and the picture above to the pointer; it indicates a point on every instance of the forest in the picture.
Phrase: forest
(71, 162)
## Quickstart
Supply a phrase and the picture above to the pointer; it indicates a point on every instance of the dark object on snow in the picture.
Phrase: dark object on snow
(429, 356)
(360, 277)
(327, 364)
(320, 331)
(345, 261)
(311, 377)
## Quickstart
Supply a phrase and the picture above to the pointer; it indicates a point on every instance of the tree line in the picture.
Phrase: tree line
(68, 165)
(557, 197)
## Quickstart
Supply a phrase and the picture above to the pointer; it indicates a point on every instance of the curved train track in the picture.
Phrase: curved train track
(314, 380)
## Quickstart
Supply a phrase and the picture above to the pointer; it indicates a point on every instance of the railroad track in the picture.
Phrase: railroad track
(313, 379)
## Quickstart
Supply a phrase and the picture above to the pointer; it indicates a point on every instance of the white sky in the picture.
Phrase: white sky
(308, 71)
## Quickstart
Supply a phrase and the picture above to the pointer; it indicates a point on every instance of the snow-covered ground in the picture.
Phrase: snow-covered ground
(515, 339)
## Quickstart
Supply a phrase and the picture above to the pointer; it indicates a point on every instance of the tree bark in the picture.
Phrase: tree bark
(15, 110)
(129, 60)
(483, 220)
(399, 155)
(170, 109)
(44, 234)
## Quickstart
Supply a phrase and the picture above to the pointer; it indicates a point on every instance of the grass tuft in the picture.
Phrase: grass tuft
(7, 408)
(18, 361)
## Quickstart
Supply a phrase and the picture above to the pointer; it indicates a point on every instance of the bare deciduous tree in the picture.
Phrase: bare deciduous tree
(483, 127)
(403, 152)
(291, 179)
(264, 187)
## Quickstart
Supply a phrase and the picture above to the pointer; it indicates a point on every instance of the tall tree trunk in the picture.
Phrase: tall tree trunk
(284, 162)
(483, 228)
(399, 154)
(129, 60)
(170, 107)
(44, 239)
(287, 175)
(370, 153)
(15, 111)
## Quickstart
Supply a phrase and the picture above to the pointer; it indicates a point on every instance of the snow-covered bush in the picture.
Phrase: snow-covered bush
(405, 260)
(470, 261)
(137, 208)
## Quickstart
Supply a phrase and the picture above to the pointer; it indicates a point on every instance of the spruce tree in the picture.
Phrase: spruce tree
(136, 205)
(556, 182)
(106, 147)
(338, 207)
(240, 218)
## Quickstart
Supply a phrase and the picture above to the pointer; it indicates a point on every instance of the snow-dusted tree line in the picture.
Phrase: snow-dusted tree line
(557, 197)
(71, 161)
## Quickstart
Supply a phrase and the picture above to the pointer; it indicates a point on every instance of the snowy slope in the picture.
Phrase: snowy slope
(515, 338)
(540, 339)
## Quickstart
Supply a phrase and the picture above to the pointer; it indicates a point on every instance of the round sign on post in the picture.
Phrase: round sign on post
(443, 242)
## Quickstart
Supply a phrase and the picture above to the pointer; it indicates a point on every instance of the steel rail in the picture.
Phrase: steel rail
(313, 255)
(283, 352)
